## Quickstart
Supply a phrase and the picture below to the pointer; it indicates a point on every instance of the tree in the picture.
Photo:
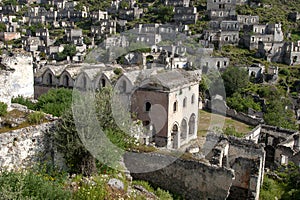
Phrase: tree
(69, 50)
(242, 103)
(278, 114)
(68, 142)
(80, 140)
(235, 79)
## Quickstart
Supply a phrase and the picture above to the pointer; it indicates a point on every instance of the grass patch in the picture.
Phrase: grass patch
(212, 121)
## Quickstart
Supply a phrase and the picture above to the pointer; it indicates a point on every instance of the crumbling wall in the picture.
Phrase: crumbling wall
(5, 81)
(242, 117)
(243, 156)
(22, 76)
(24, 147)
(190, 178)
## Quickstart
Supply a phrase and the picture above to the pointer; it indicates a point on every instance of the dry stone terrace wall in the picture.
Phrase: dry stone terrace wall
(190, 178)
(24, 147)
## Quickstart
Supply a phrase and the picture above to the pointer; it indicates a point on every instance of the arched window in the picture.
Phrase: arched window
(84, 82)
(103, 83)
(192, 124)
(66, 81)
(49, 79)
(193, 99)
(147, 106)
(124, 85)
(184, 102)
(175, 106)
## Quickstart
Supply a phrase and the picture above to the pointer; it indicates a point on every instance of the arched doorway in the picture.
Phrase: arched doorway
(174, 136)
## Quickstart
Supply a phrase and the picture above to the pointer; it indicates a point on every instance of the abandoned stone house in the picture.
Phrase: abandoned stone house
(247, 159)
(269, 33)
(281, 145)
(221, 9)
(74, 36)
(115, 41)
(247, 20)
(222, 32)
(280, 52)
(99, 15)
(172, 97)
(185, 15)
(105, 28)
(292, 53)
(177, 3)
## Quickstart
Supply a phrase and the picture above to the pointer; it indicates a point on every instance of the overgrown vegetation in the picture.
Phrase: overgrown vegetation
(36, 117)
(282, 184)
(3, 108)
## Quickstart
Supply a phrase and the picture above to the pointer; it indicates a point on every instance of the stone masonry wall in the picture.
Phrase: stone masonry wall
(5, 81)
(190, 178)
(22, 148)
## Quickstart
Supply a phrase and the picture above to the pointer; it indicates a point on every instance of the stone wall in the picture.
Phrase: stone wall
(242, 117)
(22, 76)
(190, 178)
(5, 93)
(24, 147)
(39, 90)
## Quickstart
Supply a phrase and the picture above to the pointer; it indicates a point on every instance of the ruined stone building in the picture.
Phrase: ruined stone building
(177, 3)
(166, 103)
(247, 20)
(185, 15)
(16, 76)
(269, 34)
(245, 158)
(280, 52)
(221, 9)
(281, 145)
(222, 32)
(81, 76)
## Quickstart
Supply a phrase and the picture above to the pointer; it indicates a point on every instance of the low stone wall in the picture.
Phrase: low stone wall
(24, 147)
(242, 117)
(190, 178)
(39, 90)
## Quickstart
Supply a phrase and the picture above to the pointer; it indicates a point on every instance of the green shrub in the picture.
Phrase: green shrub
(35, 117)
(30, 185)
(3, 108)
(55, 101)
(24, 101)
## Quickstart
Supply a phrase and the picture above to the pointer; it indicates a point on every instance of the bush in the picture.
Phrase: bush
(30, 185)
(3, 108)
(36, 117)
(55, 101)
(24, 101)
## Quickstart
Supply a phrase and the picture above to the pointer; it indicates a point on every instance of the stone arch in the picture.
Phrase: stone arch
(183, 130)
(147, 106)
(149, 59)
(84, 79)
(174, 136)
(192, 124)
(49, 79)
(66, 81)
